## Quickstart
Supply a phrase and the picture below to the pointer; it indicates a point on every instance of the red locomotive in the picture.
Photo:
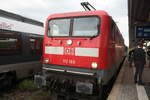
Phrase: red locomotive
(81, 53)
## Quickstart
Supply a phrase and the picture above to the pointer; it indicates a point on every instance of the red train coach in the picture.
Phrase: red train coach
(81, 53)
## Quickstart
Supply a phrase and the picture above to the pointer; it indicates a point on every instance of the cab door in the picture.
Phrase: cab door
(111, 47)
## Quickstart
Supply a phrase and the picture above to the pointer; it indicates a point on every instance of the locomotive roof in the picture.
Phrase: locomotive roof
(81, 13)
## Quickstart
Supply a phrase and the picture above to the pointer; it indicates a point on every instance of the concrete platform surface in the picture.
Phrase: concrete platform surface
(125, 88)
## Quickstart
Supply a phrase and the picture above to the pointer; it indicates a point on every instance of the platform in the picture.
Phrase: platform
(125, 89)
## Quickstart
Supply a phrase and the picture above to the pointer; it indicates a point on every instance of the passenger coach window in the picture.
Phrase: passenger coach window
(35, 44)
(59, 27)
(85, 26)
(9, 46)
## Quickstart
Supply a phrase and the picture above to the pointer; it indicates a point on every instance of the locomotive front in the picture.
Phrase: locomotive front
(71, 53)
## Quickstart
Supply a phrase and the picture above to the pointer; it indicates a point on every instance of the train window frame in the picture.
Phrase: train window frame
(71, 27)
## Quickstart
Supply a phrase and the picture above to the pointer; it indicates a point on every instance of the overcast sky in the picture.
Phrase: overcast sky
(40, 9)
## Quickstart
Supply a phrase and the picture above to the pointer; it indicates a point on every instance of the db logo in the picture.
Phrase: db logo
(69, 51)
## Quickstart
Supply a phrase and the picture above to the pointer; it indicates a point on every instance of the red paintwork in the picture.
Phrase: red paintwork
(108, 55)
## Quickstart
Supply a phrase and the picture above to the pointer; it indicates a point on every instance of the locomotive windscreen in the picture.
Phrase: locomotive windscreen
(78, 26)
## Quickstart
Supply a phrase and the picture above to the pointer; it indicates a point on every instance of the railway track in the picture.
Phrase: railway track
(24, 90)
(20, 92)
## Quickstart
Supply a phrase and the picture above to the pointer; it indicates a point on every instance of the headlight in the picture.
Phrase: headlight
(46, 60)
(69, 42)
(94, 65)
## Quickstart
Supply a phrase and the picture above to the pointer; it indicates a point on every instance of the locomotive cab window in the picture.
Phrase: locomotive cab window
(85, 26)
(59, 27)
(77, 26)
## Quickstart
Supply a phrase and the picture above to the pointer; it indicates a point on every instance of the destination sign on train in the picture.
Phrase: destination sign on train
(143, 32)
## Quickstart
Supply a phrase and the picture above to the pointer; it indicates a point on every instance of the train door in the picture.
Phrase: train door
(117, 47)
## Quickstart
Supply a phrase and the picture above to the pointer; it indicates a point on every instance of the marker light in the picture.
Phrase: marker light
(46, 60)
(94, 65)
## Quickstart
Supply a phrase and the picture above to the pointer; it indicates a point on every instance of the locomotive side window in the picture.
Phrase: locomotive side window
(118, 35)
(113, 31)
(59, 27)
(87, 26)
